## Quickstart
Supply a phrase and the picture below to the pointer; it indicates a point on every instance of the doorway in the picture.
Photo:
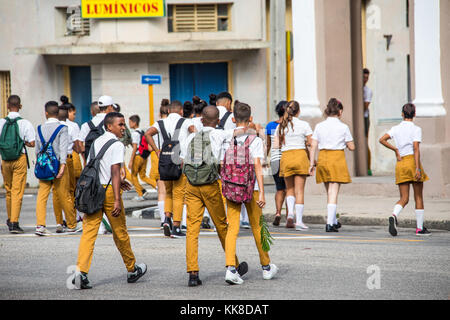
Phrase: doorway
(81, 92)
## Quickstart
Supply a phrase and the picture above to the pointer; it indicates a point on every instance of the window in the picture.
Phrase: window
(5, 91)
(70, 23)
(198, 18)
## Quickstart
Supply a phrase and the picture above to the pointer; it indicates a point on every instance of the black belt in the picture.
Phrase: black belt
(69, 156)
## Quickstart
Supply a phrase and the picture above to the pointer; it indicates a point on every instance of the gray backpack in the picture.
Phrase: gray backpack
(89, 192)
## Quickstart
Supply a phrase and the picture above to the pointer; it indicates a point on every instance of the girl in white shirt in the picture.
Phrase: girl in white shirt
(331, 137)
(408, 170)
(293, 136)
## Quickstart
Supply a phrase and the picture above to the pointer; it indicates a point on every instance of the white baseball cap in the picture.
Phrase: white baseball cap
(105, 101)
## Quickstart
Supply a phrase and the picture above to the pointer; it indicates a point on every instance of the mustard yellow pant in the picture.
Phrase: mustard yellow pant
(91, 223)
(15, 179)
(174, 201)
(60, 188)
(154, 172)
(197, 198)
(77, 167)
(254, 215)
(57, 201)
(140, 168)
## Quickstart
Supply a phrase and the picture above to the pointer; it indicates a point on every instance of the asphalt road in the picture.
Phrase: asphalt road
(356, 263)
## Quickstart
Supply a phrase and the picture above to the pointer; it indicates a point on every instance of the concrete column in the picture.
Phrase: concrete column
(277, 54)
(427, 54)
(305, 60)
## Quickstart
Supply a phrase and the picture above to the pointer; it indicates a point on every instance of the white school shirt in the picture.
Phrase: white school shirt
(26, 129)
(99, 117)
(229, 124)
(197, 122)
(169, 124)
(404, 135)
(256, 148)
(114, 155)
(72, 136)
(332, 134)
(217, 137)
(367, 95)
(294, 138)
(75, 129)
(136, 138)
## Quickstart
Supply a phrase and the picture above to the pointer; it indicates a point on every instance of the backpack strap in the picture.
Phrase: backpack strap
(162, 128)
(91, 125)
(105, 147)
(176, 134)
(52, 138)
(224, 120)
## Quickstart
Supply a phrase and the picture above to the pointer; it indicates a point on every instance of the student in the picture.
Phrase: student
(367, 96)
(173, 204)
(188, 110)
(70, 183)
(242, 117)
(60, 184)
(199, 105)
(138, 162)
(408, 170)
(206, 195)
(111, 179)
(275, 156)
(14, 166)
(294, 136)
(331, 137)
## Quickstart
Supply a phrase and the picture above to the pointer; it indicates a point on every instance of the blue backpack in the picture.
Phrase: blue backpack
(47, 164)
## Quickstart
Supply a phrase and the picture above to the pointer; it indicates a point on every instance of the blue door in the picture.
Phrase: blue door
(80, 92)
(197, 79)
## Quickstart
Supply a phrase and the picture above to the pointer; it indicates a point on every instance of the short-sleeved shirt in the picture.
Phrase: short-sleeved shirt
(85, 126)
(256, 148)
(114, 155)
(404, 135)
(275, 153)
(197, 122)
(136, 138)
(229, 124)
(26, 129)
(332, 134)
(217, 138)
(295, 135)
(169, 124)
(367, 95)
(73, 135)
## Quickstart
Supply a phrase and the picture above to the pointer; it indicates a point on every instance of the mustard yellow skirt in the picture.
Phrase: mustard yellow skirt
(405, 170)
(154, 172)
(332, 167)
(294, 162)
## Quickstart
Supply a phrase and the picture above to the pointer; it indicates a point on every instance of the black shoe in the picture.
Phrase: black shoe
(277, 220)
(81, 281)
(205, 223)
(139, 271)
(177, 233)
(167, 226)
(331, 228)
(393, 225)
(423, 232)
(9, 224)
(338, 225)
(194, 280)
(242, 268)
(15, 228)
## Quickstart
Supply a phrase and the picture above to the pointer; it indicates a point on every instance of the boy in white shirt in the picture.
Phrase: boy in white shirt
(110, 177)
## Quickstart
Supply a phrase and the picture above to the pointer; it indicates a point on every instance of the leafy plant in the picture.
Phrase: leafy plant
(266, 237)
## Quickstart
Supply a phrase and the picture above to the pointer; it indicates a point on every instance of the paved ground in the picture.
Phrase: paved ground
(360, 262)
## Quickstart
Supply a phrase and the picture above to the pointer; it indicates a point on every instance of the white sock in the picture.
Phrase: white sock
(419, 218)
(397, 209)
(162, 216)
(183, 222)
(244, 215)
(331, 213)
(290, 200)
(299, 213)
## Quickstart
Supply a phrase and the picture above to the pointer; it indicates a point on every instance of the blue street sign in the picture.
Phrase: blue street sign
(151, 79)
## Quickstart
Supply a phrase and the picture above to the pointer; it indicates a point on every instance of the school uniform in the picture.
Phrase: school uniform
(229, 124)
(15, 172)
(294, 158)
(256, 149)
(139, 166)
(207, 196)
(84, 131)
(58, 186)
(77, 167)
(197, 122)
(91, 222)
(332, 136)
(174, 189)
(404, 135)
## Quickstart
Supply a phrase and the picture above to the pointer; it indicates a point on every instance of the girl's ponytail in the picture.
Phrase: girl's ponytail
(292, 110)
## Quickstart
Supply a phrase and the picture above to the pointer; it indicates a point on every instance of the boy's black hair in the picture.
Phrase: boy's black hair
(109, 118)
(224, 95)
(366, 71)
(136, 119)
(242, 112)
(409, 111)
(175, 105)
(52, 108)
(14, 100)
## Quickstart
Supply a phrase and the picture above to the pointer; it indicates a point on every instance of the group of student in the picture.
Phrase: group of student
(206, 158)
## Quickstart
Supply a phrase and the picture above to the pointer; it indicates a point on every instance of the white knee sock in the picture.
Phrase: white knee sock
(162, 216)
(183, 222)
(290, 200)
(397, 209)
(419, 218)
(331, 213)
(299, 213)
(244, 215)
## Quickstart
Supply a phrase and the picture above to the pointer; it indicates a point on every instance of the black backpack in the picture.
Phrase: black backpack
(169, 158)
(94, 133)
(89, 192)
(224, 119)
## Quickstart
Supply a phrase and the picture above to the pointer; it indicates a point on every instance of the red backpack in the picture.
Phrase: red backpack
(238, 171)
(143, 146)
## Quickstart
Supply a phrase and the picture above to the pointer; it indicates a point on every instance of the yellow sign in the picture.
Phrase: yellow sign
(92, 9)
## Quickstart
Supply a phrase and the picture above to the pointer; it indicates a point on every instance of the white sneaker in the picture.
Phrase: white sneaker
(59, 228)
(42, 231)
(76, 229)
(301, 227)
(137, 198)
(269, 274)
(233, 278)
(102, 229)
